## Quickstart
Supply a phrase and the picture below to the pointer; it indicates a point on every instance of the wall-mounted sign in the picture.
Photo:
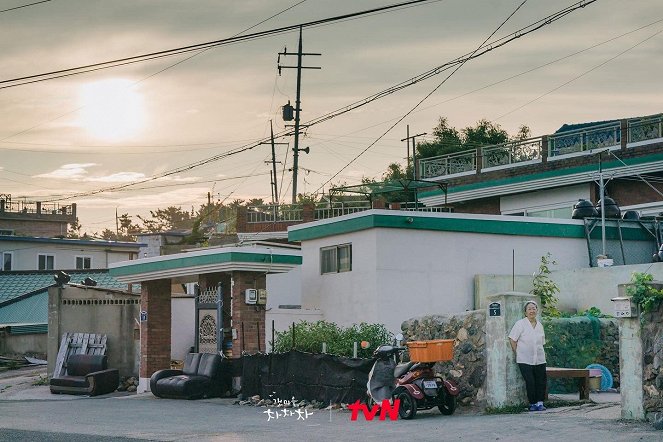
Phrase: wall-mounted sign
(143, 316)
(495, 309)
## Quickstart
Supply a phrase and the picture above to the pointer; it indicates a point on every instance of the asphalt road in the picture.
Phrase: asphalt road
(145, 417)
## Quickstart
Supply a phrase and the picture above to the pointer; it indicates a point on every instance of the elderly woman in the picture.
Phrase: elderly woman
(527, 339)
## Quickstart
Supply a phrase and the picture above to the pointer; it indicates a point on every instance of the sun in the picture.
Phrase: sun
(111, 110)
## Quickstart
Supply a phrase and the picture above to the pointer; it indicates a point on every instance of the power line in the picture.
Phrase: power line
(579, 76)
(423, 99)
(24, 6)
(19, 81)
(489, 46)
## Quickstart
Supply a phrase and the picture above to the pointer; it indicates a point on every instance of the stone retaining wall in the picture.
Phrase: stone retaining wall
(652, 352)
(571, 342)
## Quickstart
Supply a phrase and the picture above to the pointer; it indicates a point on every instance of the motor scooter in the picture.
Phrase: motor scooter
(413, 383)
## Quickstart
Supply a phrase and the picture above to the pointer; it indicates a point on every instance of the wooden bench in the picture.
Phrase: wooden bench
(581, 374)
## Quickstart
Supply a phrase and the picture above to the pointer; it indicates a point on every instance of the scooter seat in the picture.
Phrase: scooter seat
(401, 369)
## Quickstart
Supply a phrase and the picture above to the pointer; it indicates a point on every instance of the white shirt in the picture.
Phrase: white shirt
(530, 342)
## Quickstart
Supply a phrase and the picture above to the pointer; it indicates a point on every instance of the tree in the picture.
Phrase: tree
(167, 219)
(449, 140)
(74, 230)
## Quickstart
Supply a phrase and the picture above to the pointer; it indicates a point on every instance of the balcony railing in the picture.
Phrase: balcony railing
(338, 208)
(34, 207)
(645, 129)
(640, 131)
(583, 140)
(451, 164)
(274, 213)
(511, 153)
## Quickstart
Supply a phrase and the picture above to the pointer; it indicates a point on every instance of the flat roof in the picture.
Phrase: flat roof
(460, 222)
(71, 241)
(215, 260)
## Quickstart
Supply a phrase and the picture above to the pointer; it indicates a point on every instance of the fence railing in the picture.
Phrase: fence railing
(642, 130)
(448, 164)
(274, 213)
(511, 153)
(294, 212)
(645, 129)
(582, 140)
(32, 207)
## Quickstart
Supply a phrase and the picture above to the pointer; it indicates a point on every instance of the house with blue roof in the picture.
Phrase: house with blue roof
(24, 305)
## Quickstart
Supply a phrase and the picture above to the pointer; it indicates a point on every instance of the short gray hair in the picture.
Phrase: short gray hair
(528, 303)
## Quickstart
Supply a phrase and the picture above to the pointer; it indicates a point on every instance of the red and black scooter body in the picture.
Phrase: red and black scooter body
(427, 389)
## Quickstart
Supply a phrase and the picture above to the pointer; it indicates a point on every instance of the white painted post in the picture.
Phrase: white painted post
(630, 368)
(354, 349)
(504, 383)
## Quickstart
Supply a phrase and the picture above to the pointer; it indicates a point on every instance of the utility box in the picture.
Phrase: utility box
(251, 296)
(624, 307)
(262, 296)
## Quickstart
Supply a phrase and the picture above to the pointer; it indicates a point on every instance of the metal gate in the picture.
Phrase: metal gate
(209, 323)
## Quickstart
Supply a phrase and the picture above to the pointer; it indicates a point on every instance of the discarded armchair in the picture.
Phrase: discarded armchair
(198, 378)
(86, 374)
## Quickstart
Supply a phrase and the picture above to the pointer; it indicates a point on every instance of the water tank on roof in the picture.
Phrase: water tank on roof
(611, 208)
(583, 209)
(631, 215)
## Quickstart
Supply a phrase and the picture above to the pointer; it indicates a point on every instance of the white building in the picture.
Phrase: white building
(34, 253)
(385, 266)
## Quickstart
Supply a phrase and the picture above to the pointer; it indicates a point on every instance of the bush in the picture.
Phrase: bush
(309, 337)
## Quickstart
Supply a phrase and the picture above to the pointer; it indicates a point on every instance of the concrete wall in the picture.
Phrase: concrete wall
(25, 255)
(284, 288)
(183, 327)
(398, 274)
(347, 297)
(544, 199)
(90, 310)
(30, 344)
(580, 288)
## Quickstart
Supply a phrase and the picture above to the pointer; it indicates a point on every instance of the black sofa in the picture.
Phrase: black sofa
(86, 374)
(200, 377)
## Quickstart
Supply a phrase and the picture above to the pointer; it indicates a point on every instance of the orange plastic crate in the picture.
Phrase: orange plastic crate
(431, 351)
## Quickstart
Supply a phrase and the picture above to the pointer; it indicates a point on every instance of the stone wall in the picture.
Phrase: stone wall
(652, 352)
(468, 367)
(571, 342)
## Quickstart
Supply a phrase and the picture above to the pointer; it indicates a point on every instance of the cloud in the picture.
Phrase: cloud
(119, 177)
(74, 171)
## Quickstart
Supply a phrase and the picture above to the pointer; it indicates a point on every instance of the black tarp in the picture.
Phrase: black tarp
(308, 376)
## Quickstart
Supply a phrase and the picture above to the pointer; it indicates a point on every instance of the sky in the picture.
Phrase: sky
(80, 134)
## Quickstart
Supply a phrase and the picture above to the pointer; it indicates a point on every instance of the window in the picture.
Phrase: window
(46, 262)
(6, 232)
(6, 261)
(336, 259)
(83, 262)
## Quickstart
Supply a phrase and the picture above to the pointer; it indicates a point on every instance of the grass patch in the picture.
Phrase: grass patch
(521, 408)
(42, 380)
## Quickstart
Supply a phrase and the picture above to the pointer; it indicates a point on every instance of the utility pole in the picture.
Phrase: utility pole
(299, 67)
(273, 182)
(414, 151)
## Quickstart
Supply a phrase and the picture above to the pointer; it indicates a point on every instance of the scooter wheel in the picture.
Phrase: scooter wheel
(408, 405)
(447, 405)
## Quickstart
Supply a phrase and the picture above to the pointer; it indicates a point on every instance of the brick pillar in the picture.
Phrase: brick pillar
(241, 221)
(252, 339)
(308, 212)
(379, 203)
(623, 128)
(544, 149)
(155, 331)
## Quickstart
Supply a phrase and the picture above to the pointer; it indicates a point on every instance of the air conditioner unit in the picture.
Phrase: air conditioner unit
(251, 296)
(262, 296)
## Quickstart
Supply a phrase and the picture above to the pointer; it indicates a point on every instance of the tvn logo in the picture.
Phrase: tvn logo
(385, 409)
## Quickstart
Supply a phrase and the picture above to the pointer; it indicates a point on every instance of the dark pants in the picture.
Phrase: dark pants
(535, 381)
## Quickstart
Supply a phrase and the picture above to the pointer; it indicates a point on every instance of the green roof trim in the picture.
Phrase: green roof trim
(28, 329)
(458, 224)
(138, 267)
(543, 175)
